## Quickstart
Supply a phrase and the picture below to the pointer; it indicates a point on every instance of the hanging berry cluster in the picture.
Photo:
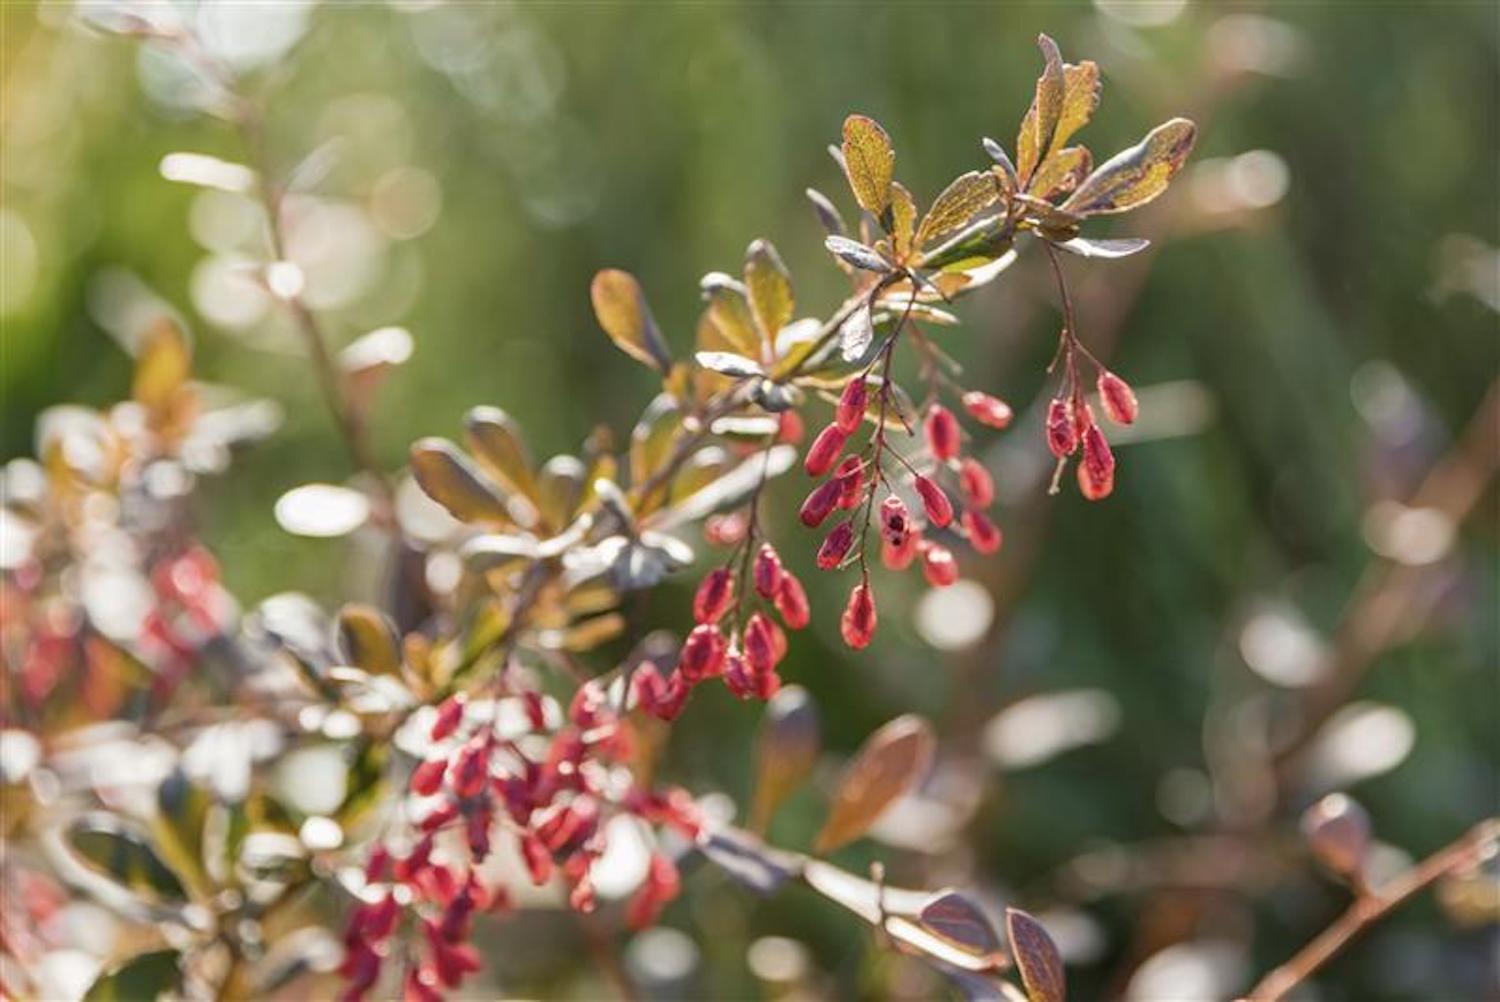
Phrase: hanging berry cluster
(551, 786)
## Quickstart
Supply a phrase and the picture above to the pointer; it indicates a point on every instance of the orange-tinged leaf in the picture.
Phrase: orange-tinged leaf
(621, 308)
(890, 762)
(1061, 172)
(1135, 176)
(962, 203)
(769, 287)
(368, 641)
(870, 161)
(449, 478)
(651, 440)
(1040, 123)
(1036, 957)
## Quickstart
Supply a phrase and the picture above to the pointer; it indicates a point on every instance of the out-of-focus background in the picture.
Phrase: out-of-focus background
(1310, 337)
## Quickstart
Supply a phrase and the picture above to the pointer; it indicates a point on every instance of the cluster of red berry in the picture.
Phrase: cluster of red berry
(1071, 426)
(553, 789)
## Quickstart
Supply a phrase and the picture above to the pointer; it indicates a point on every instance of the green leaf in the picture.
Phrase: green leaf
(730, 319)
(870, 162)
(621, 308)
(1135, 176)
(651, 439)
(769, 287)
(365, 783)
(448, 477)
(1040, 124)
(111, 847)
(143, 978)
(891, 761)
(1036, 957)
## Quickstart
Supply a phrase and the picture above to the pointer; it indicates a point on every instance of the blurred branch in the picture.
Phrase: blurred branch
(1388, 603)
(1372, 906)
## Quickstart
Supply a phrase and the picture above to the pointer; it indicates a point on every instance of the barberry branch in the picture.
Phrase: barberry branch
(1368, 908)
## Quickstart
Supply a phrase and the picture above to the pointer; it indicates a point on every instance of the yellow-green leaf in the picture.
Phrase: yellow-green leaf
(891, 761)
(1061, 172)
(769, 288)
(969, 197)
(495, 440)
(621, 308)
(903, 219)
(870, 161)
(143, 978)
(1080, 98)
(729, 318)
(367, 640)
(1137, 175)
(1040, 123)
(449, 478)
(161, 369)
(651, 440)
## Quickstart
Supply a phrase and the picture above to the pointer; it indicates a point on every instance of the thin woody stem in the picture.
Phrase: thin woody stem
(1371, 907)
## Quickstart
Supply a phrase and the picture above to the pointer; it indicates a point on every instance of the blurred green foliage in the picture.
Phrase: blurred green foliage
(662, 138)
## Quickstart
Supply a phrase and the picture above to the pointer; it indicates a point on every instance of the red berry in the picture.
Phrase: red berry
(836, 546)
(714, 596)
(895, 520)
(820, 503)
(851, 408)
(987, 410)
(760, 644)
(791, 602)
(825, 450)
(977, 484)
(1062, 439)
(726, 530)
(471, 769)
(938, 566)
(449, 714)
(1118, 398)
(767, 572)
(942, 432)
(702, 653)
(1096, 473)
(984, 535)
(898, 558)
(934, 502)
(857, 625)
(851, 477)
(427, 778)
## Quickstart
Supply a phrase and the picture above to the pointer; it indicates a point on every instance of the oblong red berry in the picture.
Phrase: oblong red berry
(767, 571)
(934, 502)
(1118, 398)
(449, 714)
(1096, 472)
(836, 546)
(825, 450)
(427, 778)
(987, 410)
(895, 520)
(791, 602)
(714, 596)
(789, 430)
(942, 432)
(702, 653)
(820, 503)
(857, 625)
(984, 535)
(976, 483)
(938, 566)
(851, 477)
(760, 644)
(898, 558)
(1062, 438)
(852, 403)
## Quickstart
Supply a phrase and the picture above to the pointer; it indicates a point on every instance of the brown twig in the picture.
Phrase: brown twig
(1374, 905)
